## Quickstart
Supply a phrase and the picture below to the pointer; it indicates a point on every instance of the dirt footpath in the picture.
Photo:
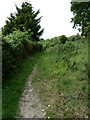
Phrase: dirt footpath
(30, 105)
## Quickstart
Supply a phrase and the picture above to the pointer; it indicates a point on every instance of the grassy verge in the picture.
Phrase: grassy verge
(61, 80)
(0, 77)
(14, 88)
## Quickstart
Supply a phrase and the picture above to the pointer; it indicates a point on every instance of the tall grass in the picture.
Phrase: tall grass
(62, 81)
(0, 75)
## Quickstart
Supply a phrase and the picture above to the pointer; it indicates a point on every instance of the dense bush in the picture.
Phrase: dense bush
(63, 39)
(76, 38)
(15, 47)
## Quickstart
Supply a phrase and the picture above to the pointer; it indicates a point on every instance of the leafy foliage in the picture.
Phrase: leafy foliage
(24, 19)
(81, 19)
(16, 47)
(63, 39)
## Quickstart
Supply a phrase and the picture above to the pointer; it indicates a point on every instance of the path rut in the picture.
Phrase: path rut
(30, 105)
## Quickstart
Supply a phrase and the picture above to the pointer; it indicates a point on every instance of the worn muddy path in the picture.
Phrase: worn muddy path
(30, 105)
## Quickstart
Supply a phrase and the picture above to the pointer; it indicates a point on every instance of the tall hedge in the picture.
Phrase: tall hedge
(15, 48)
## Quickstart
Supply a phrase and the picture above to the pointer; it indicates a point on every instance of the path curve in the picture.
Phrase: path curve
(30, 105)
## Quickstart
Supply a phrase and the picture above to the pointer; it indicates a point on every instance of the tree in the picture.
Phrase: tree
(81, 19)
(24, 19)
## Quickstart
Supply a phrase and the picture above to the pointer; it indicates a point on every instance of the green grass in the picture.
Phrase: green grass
(0, 76)
(61, 80)
(13, 89)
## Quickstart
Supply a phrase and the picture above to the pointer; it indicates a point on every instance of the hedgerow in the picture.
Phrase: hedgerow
(15, 48)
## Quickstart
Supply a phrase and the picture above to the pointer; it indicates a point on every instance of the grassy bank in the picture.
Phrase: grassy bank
(0, 76)
(13, 89)
(61, 80)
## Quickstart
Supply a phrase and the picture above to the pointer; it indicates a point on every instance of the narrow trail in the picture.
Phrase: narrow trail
(30, 105)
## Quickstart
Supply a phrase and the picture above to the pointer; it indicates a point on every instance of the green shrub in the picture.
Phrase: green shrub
(63, 39)
(15, 48)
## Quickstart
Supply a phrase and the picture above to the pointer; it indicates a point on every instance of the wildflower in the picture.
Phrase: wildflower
(48, 105)
(48, 117)
(42, 110)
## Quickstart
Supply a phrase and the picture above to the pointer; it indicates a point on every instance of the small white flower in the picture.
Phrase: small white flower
(48, 105)
(42, 110)
(48, 117)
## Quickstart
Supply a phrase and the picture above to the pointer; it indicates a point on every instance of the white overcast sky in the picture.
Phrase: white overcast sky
(56, 15)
